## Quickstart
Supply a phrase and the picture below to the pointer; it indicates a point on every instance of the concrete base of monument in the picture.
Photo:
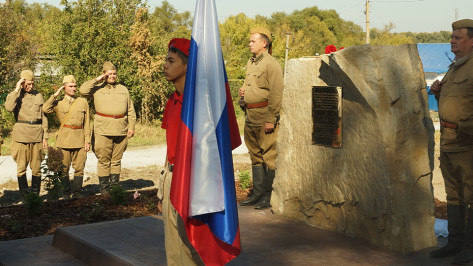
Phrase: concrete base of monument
(266, 239)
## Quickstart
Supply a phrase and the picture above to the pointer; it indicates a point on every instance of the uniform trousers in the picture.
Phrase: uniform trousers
(109, 151)
(177, 251)
(457, 171)
(75, 156)
(261, 146)
(27, 153)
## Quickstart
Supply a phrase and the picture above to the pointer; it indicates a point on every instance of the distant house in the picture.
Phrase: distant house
(435, 57)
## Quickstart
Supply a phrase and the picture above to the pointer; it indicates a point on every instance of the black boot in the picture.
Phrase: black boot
(66, 186)
(36, 184)
(265, 202)
(104, 182)
(456, 229)
(466, 254)
(23, 185)
(77, 186)
(114, 179)
(258, 186)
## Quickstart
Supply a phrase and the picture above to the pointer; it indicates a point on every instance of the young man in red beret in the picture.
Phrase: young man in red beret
(179, 251)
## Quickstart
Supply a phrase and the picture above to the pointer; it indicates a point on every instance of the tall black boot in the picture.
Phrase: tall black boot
(258, 186)
(265, 202)
(23, 185)
(77, 186)
(114, 179)
(466, 254)
(66, 186)
(456, 229)
(104, 182)
(36, 184)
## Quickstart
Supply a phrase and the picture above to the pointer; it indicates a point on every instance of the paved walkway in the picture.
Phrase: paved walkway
(266, 239)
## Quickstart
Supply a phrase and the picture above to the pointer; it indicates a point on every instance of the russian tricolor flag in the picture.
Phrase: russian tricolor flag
(203, 185)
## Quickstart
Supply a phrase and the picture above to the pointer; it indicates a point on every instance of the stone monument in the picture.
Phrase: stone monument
(377, 185)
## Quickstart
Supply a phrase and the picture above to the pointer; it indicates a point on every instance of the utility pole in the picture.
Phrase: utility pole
(367, 12)
(287, 52)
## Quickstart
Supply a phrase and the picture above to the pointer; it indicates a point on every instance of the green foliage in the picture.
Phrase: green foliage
(52, 172)
(245, 179)
(118, 195)
(33, 204)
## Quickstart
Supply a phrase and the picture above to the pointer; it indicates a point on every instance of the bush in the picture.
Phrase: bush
(118, 195)
(33, 204)
(245, 179)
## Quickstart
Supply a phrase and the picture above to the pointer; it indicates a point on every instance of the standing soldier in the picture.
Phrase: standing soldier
(455, 100)
(30, 131)
(73, 136)
(262, 97)
(114, 123)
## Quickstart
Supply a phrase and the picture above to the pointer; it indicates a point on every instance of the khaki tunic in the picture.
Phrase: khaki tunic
(69, 138)
(456, 106)
(27, 138)
(27, 107)
(110, 100)
(264, 82)
(456, 144)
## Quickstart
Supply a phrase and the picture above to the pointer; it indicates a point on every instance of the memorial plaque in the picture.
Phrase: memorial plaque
(327, 116)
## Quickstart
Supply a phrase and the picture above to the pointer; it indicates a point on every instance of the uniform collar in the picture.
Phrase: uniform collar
(258, 59)
(69, 98)
(462, 60)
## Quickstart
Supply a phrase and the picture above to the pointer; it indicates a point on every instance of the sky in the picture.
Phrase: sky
(406, 15)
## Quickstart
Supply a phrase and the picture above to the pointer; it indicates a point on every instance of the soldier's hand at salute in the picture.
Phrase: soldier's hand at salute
(58, 91)
(19, 85)
(102, 77)
(130, 133)
(87, 146)
(45, 143)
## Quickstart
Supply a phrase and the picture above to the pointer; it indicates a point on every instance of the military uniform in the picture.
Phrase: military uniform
(263, 88)
(455, 102)
(30, 129)
(72, 136)
(115, 115)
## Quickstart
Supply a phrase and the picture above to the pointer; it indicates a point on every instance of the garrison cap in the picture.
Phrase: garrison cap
(27, 74)
(181, 44)
(264, 31)
(463, 23)
(69, 79)
(108, 66)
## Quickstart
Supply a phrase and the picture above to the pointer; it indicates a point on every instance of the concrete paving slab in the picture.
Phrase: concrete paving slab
(267, 239)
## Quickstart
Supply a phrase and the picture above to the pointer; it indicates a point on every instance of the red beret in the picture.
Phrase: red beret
(180, 44)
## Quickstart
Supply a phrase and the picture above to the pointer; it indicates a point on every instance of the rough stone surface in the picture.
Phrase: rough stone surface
(378, 185)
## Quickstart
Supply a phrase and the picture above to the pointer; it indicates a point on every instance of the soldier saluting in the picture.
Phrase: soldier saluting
(73, 136)
(30, 131)
(114, 123)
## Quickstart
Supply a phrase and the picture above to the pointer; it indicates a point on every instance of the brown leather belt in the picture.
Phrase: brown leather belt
(448, 125)
(256, 105)
(111, 116)
(73, 127)
(36, 122)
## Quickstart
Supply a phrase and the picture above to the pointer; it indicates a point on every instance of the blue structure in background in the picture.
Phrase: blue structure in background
(435, 57)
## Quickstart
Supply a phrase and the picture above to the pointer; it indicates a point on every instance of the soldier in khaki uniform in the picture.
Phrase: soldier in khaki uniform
(114, 123)
(30, 131)
(262, 97)
(455, 97)
(73, 137)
